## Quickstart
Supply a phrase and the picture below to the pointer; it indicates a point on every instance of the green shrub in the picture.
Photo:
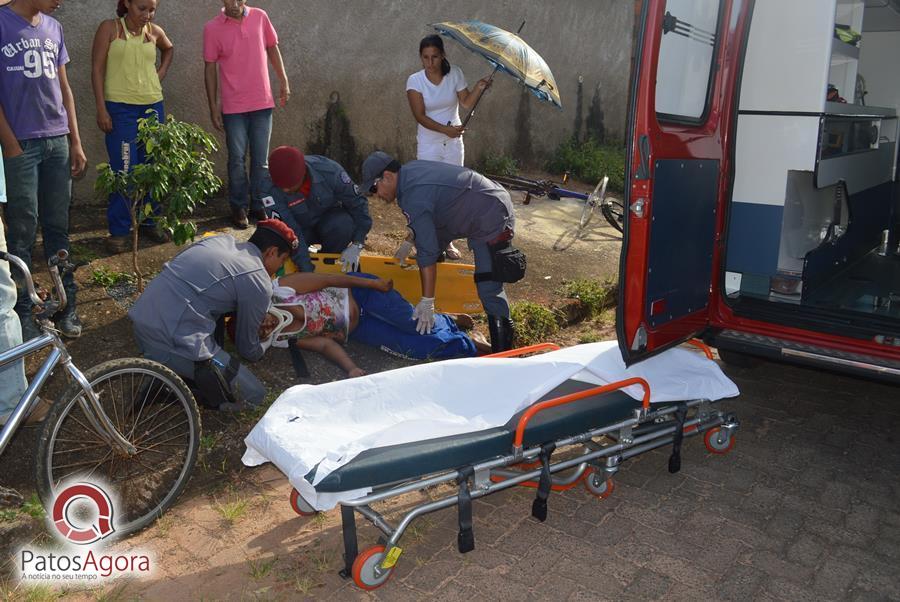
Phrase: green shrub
(594, 294)
(534, 322)
(588, 337)
(499, 165)
(103, 276)
(178, 174)
(589, 162)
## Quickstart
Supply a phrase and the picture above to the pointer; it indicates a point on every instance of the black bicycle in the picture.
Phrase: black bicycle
(612, 210)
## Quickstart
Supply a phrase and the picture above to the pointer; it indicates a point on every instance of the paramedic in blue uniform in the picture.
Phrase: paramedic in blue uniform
(444, 202)
(320, 202)
(175, 318)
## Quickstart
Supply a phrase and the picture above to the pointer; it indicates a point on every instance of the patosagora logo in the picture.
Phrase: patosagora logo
(83, 516)
(83, 493)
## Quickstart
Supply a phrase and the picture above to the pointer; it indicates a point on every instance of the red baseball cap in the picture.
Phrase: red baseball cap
(287, 167)
(281, 229)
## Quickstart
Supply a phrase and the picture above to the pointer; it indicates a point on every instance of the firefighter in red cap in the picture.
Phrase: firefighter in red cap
(320, 202)
(175, 320)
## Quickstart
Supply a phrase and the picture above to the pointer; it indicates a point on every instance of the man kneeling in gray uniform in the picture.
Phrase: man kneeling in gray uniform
(442, 203)
(175, 318)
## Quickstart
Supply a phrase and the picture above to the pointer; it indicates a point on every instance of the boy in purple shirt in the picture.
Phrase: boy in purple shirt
(236, 46)
(41, 146)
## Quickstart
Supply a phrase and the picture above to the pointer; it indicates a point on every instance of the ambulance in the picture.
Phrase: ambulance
(761, 194)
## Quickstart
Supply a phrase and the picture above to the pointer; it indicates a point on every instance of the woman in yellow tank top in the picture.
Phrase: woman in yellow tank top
(127, 82)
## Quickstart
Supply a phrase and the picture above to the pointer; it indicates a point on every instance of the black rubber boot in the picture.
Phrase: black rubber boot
(68, 322)
(502, 333)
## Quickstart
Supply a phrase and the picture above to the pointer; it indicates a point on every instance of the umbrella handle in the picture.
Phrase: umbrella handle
(471, 111)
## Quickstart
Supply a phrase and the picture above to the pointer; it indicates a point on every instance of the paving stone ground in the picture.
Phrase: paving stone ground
(806, 507)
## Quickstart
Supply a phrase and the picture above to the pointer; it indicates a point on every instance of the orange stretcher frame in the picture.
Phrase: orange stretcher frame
(455, 292)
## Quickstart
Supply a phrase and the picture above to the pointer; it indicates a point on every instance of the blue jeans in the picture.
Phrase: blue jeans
(242, 131)
(39, 188)
(124, 154)
(12, 376)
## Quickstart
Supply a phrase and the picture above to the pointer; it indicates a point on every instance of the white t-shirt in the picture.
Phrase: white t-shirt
(441, 101)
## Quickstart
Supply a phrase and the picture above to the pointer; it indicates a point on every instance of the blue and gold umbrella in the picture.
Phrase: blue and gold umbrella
(507, 52)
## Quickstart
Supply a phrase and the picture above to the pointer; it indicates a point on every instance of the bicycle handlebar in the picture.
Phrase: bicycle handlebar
(60, 259)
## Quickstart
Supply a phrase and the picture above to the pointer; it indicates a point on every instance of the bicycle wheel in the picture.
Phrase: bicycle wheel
(595, 199)
(614, 213)
(154, 410)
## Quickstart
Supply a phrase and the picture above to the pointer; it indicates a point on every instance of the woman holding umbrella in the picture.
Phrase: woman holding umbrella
(435, 94)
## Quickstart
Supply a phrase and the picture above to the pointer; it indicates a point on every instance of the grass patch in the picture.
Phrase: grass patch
(208, 442)
(33, 507)
(304, 585)
(498, 164)
(29, 593)
(595, 295)
(322, 561)
(534, 322)
(260, 569)
(589, 161)
(82, 253)
(105, 277)
(319, 520)
(231, 511)
(588, 337)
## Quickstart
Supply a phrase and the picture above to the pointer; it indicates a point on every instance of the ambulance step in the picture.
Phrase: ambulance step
(773, 347)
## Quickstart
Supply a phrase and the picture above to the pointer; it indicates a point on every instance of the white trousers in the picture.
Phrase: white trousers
(448, 150)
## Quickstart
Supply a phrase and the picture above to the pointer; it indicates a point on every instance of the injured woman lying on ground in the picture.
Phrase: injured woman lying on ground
(319, 312)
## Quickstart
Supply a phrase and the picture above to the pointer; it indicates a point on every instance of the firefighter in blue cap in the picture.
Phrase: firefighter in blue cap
(320, 202)
(444, 202)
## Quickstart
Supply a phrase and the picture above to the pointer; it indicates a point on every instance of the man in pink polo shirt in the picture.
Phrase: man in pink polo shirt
(236, 46)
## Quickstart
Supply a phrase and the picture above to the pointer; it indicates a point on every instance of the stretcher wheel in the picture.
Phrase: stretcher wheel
(364, 569)
(300, 506)
(711, 440)
(598, 486)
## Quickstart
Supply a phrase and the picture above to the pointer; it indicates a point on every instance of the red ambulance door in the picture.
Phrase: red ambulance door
(687, 61)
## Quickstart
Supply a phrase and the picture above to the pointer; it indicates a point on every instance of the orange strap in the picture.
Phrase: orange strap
(524, 350)
(558, 401)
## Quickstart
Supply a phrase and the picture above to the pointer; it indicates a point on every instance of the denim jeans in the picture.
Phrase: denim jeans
(12, 376)
(242, 131)
(124, 154)
(38, 189)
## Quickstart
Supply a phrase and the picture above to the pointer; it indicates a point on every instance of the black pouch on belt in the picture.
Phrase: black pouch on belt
(212, 388)
(508, 262)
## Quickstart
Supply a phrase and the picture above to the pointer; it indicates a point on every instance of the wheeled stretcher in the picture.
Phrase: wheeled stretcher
(577, 430)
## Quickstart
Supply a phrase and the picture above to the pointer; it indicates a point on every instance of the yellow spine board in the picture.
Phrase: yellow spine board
(455, 291)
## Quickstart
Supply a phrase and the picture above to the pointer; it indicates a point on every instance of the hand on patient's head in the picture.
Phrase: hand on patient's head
(268, 325)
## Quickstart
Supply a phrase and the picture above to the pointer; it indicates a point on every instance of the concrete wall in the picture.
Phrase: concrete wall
(361, 52)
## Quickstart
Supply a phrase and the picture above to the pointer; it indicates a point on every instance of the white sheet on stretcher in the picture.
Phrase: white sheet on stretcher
(328, 425)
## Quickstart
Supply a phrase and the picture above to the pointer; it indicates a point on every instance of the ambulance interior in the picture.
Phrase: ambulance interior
(813, 236)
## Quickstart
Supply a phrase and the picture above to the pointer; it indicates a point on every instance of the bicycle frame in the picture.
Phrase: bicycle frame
(59, 354)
